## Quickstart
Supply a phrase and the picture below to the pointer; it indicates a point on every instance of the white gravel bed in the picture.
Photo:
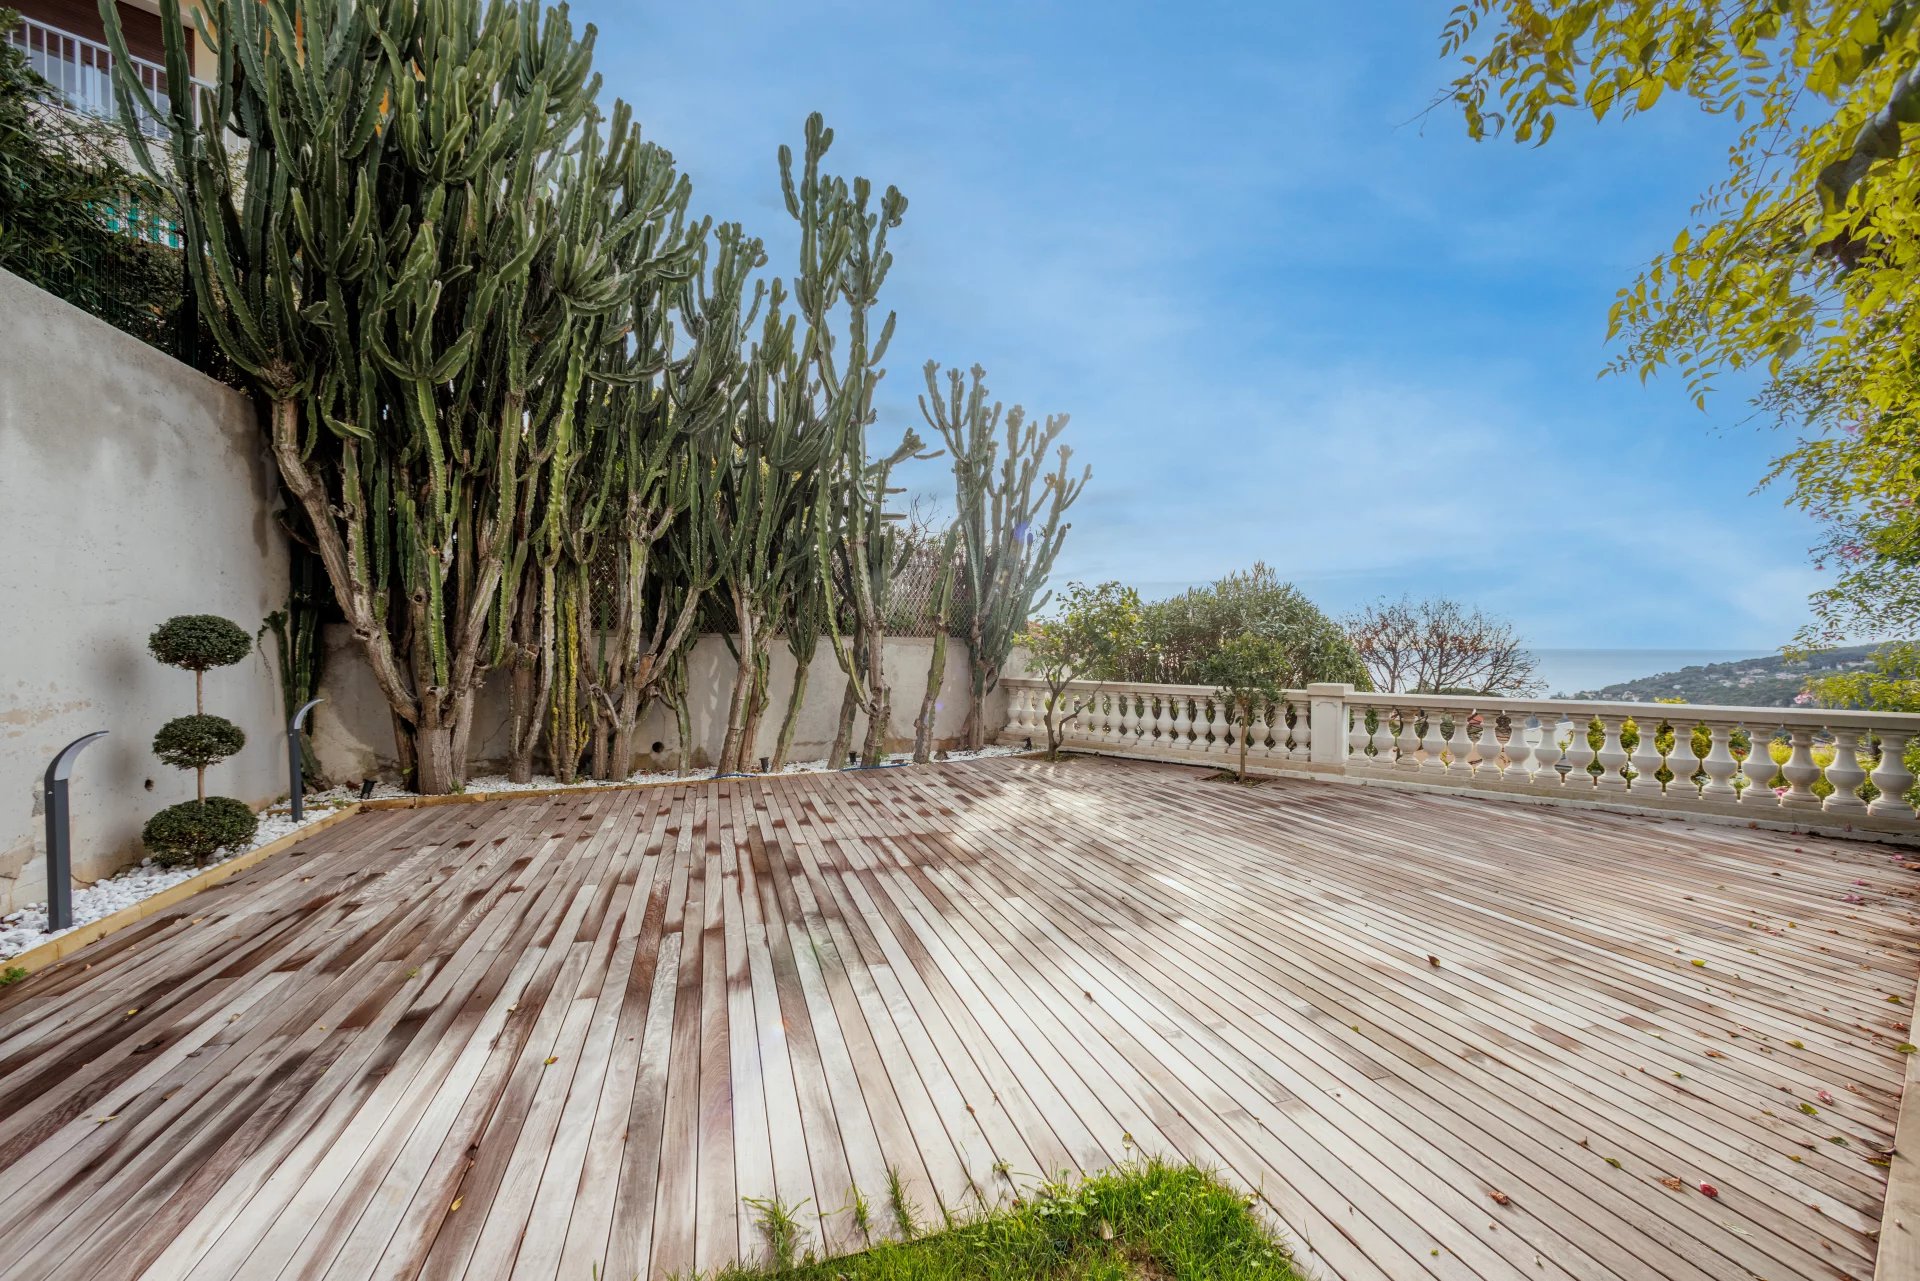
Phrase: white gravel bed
(27, 927)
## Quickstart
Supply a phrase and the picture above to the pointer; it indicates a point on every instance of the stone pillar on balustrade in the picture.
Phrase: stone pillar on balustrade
(1327, 720)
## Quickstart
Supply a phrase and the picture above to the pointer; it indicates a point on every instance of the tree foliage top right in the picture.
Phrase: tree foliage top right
(1800, 262)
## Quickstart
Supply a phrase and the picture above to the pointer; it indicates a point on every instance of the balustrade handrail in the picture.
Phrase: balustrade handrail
(1824, 769)
(1777, 717)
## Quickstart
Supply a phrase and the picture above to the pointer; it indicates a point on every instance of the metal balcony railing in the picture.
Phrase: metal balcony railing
(81, 70)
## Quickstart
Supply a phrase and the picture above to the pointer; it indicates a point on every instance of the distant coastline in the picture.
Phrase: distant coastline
(1697, 675)
(1565, 673)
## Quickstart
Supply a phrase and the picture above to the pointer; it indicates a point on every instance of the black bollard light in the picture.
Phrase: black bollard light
(296, 785)
(59, 837)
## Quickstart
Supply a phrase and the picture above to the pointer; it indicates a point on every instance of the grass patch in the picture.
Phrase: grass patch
(1149, 1221)
(12, 974)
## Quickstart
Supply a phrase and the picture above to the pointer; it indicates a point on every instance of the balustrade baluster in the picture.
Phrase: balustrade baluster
(1160, 730)
(1759, 769)
(1385, 753)
(1359, 739)
(1644, 759)
(1459, 745)
(1682, 765)
(1846, 774)
(1177, 724)
(1720, 765)
(1219, 726)
(1547, 753)
(1300, 746)
(1433, 746)
(1612, 757)
(1891, 776)
(1484, 755)
(1257, 728)
(1408, 741)
(1801, 771)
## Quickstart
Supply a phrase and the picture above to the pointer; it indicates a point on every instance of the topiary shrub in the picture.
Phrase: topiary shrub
(199, 642)
(194, 831)
(195, 742)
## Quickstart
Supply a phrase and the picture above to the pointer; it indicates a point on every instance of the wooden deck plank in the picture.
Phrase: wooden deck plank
(551, 1036)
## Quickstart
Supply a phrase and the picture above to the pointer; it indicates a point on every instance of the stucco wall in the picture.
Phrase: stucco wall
(133, 489)
(353, 734)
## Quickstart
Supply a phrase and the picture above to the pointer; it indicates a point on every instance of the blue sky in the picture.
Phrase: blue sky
(1293, 318)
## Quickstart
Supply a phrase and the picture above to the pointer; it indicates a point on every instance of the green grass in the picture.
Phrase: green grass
(12, 974)
(1149, 1221)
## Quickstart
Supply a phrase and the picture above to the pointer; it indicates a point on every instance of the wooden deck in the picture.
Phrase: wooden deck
(1442, 1037)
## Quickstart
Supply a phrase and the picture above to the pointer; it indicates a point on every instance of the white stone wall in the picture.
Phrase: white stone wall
(132, 489)
(353, 733)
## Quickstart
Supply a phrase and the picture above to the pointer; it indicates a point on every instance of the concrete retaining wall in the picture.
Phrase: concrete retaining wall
(132, 489)
(353, 732)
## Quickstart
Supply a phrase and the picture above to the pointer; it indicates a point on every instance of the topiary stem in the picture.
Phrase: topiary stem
(199, 688)
(200, 783)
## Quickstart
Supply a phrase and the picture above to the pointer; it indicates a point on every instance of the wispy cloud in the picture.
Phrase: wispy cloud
(1293, 319)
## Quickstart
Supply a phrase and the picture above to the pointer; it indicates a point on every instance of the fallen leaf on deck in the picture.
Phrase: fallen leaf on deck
(1500, 1198)
(1673, 1183)
(1707, 1189)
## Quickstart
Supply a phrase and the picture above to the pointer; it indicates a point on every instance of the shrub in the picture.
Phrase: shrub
(196, 829)
(1178, 635)
(198, 642)
(74, 220)
(193, 831)
(195, 742)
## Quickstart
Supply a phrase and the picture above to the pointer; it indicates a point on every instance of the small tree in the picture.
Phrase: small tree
(196, 829)
(1247, 669)
(1437, 646)
(1094, 625)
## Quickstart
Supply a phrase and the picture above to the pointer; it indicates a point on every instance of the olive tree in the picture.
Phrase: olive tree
(1091, 628)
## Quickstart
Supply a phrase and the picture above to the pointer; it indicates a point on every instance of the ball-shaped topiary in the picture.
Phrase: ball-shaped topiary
(198, 642)
(195, 742)
(194, 831)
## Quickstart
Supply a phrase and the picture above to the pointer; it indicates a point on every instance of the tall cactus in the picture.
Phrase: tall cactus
(1011, 518)
(663, 466)
(368, 261)
(765, 524)
(623, 244)
(844, 260)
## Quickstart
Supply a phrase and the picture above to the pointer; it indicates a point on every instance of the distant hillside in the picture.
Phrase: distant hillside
(1748, 682)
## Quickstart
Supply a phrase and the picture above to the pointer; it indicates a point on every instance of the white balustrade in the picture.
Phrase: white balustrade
(1891, 777)
(1840, 769)
(1644, 761)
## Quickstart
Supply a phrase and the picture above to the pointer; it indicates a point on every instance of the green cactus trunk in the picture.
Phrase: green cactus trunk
(796, 699)
(937, 662)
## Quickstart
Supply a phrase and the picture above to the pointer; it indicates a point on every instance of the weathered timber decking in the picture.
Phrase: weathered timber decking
(535, 1038)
